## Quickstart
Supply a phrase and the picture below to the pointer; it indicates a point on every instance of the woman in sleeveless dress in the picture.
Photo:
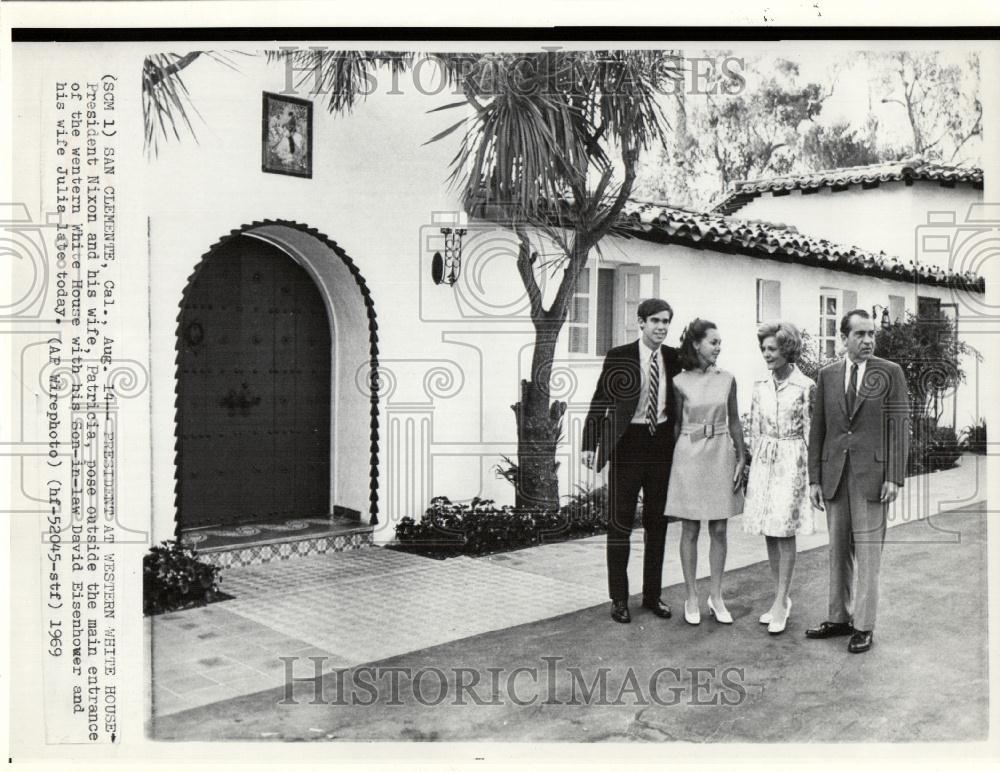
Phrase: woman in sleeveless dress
(777, 499)
(706, 476)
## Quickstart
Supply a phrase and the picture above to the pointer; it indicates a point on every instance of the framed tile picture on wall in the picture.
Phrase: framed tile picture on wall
(286, 141)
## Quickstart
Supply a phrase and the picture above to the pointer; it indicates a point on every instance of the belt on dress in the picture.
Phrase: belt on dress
(697, 431)
(771, 442)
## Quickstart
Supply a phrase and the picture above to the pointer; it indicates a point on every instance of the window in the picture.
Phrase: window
(829, 321)
(897, 308)
(928, 308)
(604, 315)
(768, 300)
(579, 314)
(833, 304)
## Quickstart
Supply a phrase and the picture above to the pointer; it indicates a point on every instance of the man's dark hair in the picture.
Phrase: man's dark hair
(845, 322)
(653, 306)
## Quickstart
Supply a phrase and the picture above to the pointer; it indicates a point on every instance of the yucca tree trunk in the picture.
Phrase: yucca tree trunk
(539, 419)
(539, 425)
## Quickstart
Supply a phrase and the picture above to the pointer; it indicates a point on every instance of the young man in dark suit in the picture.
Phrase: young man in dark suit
(630, 426)
(858, 444)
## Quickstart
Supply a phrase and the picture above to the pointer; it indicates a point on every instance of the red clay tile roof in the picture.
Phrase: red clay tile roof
(710, 230)
(867, 176)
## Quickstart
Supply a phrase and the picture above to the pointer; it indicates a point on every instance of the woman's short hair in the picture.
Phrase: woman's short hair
(787, 337)
(692, 335)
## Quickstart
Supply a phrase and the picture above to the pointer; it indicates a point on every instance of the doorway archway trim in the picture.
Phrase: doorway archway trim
(373, 382)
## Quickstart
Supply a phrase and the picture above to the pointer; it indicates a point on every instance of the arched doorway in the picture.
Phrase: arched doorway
(315, 288)
(255, 352)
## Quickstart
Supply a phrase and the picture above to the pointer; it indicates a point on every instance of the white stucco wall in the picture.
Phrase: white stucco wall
(373, 189)
(451, 357)
(722, 288)
(892, 218)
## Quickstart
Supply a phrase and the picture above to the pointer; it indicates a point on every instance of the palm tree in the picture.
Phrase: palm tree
(549, 147)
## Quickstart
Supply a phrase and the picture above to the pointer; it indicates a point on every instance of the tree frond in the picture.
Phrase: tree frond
(344, 76)
(165, 98)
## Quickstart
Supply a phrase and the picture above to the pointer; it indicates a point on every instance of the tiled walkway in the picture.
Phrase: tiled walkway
(368, 604)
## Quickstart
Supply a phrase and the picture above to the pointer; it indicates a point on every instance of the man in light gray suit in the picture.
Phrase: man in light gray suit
(858, 443)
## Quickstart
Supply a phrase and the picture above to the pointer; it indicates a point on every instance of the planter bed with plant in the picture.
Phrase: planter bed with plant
(174, 579)
(480, 527)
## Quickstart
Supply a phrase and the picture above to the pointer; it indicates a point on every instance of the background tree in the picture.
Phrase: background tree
(939, 100)
(730, 135)
(839, 145)
(549, 144)
(924, 104)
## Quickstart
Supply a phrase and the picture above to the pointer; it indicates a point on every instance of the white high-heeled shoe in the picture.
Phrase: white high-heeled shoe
(765, 618)
(692, 618)
(722, 616)
(776, 628)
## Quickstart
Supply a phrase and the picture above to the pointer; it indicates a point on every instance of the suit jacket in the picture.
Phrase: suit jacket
(617, 395)
(875, 436)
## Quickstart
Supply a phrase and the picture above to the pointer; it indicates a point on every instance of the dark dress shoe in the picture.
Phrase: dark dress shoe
(830, 630)
(861, 641)
(619, 611)
(658, 607)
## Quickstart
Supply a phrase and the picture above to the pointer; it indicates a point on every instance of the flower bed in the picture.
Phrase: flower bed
(480, 527)
(173, 579)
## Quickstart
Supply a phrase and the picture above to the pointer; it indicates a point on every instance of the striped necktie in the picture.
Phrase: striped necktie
(652, 403)
(852, 388)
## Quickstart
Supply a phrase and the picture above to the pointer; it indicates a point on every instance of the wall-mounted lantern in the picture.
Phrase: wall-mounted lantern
(446, 268)
(886, 322)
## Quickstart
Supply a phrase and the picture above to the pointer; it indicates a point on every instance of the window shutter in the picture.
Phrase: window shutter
(605, 310)
(578, 316)
(897, 308)
(633, 284)
(850, 301)
(626, 303)
(768, 300)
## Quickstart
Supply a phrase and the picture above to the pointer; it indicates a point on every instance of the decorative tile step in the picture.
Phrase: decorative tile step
(257, 543)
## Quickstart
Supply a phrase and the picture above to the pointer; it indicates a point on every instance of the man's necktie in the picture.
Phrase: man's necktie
(852, 388)
(653, 402)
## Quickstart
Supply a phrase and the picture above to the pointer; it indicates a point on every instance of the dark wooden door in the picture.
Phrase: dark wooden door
(253, 390)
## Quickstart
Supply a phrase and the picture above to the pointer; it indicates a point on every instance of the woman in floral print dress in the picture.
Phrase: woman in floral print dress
(777, 500)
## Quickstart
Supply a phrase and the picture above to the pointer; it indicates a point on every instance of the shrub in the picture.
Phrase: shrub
(945, 448)
(929, 351)
(932, 447)
(481, 527)
(812, 360)
(973, 438)
(586, 512)
(173, 578)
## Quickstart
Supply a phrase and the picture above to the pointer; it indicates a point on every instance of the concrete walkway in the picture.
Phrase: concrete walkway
(373, 604)
(579, 677)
